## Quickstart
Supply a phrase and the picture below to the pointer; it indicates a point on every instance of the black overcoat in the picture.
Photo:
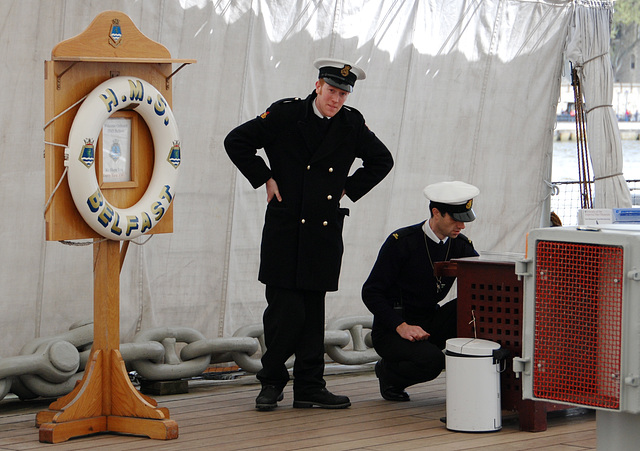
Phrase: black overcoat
(302, 236)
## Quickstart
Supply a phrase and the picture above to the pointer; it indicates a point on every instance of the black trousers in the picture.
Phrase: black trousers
(405, 362)
(294, 324)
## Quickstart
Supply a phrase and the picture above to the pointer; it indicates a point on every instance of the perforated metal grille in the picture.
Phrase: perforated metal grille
(578, 323)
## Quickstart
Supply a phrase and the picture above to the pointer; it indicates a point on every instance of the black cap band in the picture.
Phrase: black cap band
(342, 76)
(462, 212)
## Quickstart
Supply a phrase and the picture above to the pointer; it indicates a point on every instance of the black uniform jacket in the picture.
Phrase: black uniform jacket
(302, 236)
(403, 275)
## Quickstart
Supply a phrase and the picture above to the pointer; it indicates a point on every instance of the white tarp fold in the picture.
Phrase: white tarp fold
(588, 49)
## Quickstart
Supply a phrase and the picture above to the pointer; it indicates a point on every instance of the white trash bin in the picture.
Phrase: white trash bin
(473, 384)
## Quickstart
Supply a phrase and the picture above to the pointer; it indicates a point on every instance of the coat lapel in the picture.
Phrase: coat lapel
(311, 137)
(338, 131)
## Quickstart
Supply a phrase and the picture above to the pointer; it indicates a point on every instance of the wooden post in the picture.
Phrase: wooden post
(105, 400)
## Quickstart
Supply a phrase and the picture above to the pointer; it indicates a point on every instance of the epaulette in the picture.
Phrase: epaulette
(278, 103)
(287, 100)
(401, 233)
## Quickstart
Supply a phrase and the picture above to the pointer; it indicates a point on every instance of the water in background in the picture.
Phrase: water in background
(565, 169)
(565, 160)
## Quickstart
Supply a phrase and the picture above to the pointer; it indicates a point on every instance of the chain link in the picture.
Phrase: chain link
(341, 331)
(51, 367)
(41, 369)
(171, 367)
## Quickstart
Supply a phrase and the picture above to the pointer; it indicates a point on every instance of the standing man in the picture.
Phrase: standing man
(410, 328)
(310, 145)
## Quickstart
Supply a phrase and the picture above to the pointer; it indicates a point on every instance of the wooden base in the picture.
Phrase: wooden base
(105, 400)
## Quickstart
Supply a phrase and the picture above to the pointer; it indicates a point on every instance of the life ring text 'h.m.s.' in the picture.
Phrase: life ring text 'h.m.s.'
(113, 95)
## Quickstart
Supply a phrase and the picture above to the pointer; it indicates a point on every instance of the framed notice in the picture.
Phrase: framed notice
(116, 167)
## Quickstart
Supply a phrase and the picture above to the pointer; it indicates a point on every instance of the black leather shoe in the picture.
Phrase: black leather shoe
(269, 397)
(388, 391)
(323, 399)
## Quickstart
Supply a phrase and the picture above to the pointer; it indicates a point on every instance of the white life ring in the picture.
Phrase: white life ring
(115, 94)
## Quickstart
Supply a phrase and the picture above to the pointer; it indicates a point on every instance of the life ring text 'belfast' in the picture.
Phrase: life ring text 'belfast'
(113, 95)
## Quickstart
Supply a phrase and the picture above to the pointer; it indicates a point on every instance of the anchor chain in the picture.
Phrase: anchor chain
(51, 367)
(340, 332)
(44, 375)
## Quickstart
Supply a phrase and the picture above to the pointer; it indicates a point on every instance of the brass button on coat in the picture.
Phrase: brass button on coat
(329, 197)
(325, 223)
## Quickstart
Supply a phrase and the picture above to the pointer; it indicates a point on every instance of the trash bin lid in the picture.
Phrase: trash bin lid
(472, 346)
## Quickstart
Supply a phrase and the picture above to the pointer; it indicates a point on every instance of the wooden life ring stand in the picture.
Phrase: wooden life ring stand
(110, 96)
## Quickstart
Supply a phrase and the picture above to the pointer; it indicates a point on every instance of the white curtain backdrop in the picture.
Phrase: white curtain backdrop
(588, 50)
(457, 89)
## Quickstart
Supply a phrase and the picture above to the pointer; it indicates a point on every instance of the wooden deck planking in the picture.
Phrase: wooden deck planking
(221, 415)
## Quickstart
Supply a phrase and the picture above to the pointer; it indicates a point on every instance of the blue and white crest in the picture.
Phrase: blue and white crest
(88, 153)
(115, 34)
(174, 155)
(115, 151)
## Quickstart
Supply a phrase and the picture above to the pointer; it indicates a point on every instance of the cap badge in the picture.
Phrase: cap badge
(345, 70)
(469, 204)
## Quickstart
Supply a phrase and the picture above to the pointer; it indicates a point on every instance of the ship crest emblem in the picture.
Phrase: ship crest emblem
(174, 155)
(115, 34)
(345, 70)
(88, 153)
(115, 151)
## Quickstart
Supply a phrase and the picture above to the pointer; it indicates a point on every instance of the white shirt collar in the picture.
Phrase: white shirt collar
(317, 111)
(426, 228)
